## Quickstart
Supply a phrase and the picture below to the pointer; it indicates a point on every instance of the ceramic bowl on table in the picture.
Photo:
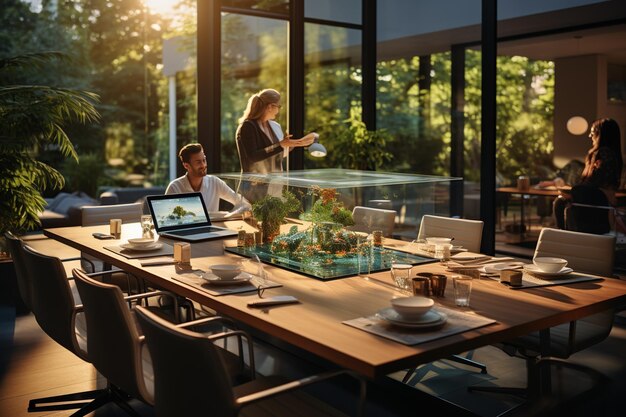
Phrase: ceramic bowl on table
(550, 264)
(412, 307)
(438, 240)
(141, 242)
(226, 271)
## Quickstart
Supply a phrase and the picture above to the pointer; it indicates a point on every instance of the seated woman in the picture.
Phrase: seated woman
(603, 167)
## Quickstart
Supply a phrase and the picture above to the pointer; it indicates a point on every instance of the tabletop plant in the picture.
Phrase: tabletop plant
(327, 208)
(34, 117)
(271, 211)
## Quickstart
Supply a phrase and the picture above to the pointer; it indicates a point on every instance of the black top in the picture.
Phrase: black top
(258, 153)
(608, 174)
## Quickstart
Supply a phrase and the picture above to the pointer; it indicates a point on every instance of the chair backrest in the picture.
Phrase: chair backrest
(51, 299)
(466, 233)
(584, 252)
(368, 219)
(95, 215)
(588, 211)
(189, 374)
(113, 338)
(16, 250)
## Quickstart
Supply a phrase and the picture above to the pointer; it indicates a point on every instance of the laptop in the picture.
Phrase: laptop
(184, 217)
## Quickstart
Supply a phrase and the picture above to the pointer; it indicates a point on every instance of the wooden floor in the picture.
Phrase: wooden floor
(35, 366)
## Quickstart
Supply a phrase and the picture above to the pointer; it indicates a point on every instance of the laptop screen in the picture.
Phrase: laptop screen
(178, 211)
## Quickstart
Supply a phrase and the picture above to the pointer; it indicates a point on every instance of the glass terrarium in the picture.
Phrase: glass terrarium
(334, 243)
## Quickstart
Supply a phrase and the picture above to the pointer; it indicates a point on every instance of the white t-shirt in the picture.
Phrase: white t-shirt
(212, 189)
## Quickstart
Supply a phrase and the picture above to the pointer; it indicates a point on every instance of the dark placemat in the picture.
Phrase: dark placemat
(530, 280)
(135, 254)
(194, 278)
(458, 322)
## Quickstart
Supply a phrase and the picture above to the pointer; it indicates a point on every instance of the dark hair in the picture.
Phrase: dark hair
(609, 137)
(186, 151)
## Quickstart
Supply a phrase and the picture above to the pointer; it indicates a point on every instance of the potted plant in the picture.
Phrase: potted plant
(271, 211)
(33, 117)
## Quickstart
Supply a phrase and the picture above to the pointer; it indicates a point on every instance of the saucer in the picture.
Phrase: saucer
(534, 269)
(154, 246)
(430, 319)
(496, 268)
(215, 280)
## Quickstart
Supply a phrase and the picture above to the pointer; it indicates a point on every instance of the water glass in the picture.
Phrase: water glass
(147, 227)
(365, 257)
(462, 290)
(401, 274)
(442, 251)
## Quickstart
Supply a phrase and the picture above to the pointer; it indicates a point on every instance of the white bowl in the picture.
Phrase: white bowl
(548, 264)
(438, 240)
(226, 271)
(412, 307)
(141, 241)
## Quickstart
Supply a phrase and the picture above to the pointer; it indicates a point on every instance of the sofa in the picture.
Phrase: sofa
(128, 194)
(65, 208)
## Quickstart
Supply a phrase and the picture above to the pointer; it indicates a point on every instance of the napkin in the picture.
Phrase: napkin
(465, 257)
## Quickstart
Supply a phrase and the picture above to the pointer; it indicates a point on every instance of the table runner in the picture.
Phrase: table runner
(194, 278)
(130, 254)
(458, 322)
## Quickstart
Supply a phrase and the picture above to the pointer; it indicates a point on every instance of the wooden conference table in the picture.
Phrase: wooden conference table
(315, 324)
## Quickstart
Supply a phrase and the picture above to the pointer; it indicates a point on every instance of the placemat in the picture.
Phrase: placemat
(132, 254)
(458, 322)
(533, 281)
(194, 278)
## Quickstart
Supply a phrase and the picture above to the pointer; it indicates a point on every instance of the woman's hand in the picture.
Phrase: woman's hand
(288, 142)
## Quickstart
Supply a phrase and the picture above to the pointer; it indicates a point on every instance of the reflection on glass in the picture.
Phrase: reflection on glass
(332, 85)
(276, 6)
(326, 266)
(254, 57)
(348, 11)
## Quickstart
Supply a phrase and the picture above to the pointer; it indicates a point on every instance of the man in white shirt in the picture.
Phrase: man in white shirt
(196, 180)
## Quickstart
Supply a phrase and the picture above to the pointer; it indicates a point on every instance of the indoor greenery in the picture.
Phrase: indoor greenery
(34, 118)
(272, 210)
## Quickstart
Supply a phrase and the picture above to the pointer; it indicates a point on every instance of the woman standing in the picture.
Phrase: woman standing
(260, 141)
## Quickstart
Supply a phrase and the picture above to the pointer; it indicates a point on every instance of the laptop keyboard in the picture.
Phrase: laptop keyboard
(196, 231)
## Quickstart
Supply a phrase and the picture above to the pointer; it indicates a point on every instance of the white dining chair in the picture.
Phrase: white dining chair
(466, 233)
(587, 253)
(98, 215)
(95, 215)
(368, 219)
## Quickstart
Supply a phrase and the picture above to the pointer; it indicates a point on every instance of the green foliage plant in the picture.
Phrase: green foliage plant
(271, 211)
(34, 117)
(327, 209)
(355, 147)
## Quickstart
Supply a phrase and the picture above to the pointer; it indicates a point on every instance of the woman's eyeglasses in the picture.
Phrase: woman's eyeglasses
(278, 106)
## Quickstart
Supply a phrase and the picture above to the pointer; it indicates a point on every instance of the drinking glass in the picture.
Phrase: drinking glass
(147, 227)
(365, 255)
(462, 290)
(401, 274)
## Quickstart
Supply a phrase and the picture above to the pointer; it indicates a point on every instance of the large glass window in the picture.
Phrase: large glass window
(332, 88)
(254, 57)
(348, 11)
